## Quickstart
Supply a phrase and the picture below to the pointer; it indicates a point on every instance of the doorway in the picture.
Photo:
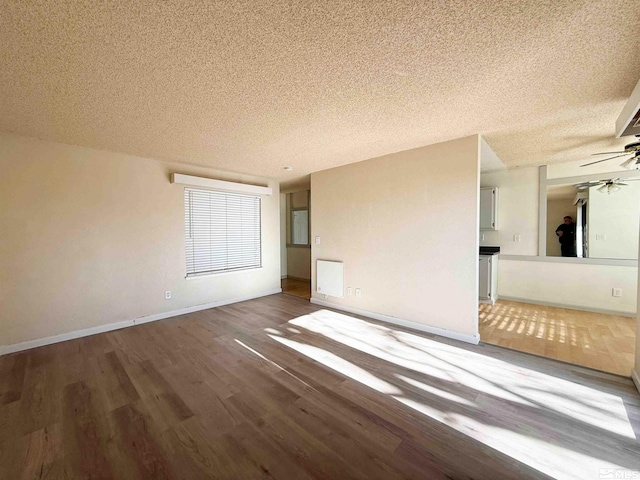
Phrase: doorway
(295, 251)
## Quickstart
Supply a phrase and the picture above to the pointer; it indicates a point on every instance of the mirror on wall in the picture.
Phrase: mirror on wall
(298, 224)
(605, 219)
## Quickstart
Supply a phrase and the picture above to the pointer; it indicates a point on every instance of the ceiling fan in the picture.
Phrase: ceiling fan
(630, 149)
(606, 186)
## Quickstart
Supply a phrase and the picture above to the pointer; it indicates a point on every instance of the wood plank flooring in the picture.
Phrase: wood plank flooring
(595, 340)
(297, 287)
(276, 388)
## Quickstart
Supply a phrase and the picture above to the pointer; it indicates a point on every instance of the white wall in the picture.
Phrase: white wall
(406, 227)
(91, 238)
(578, 286)
(517, 210)
(613, 221)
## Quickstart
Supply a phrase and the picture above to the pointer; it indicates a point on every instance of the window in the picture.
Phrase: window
(222, 231)
(300, 227)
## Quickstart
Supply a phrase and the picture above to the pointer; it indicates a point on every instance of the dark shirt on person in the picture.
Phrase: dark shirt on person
(567, 239)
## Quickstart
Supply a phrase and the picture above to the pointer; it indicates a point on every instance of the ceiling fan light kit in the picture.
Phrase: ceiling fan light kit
(608, 188)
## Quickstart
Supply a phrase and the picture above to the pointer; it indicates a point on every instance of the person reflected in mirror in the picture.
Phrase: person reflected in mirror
(566, 233)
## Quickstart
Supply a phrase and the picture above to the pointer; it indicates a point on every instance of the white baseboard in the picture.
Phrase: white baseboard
(63, 337)
(570, 307)
(463, 337)
(636, 379)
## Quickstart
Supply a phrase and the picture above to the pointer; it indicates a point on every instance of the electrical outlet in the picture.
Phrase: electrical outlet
(616, 292)
(317, 240)
(482, 237)
(348, 290)
(167, 294)
(358, 292)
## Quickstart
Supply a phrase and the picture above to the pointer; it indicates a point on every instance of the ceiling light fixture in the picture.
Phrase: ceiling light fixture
(288, 169)
(608, 188)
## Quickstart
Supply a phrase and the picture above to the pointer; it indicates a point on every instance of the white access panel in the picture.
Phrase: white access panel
(330, 278)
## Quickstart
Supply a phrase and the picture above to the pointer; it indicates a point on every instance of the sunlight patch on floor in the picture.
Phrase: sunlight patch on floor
(531, 451)
(340, 365)
(440, 365)
(587, 405)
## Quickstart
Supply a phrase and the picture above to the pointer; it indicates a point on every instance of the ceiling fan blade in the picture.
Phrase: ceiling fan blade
(604, 160)
(609, 153)
(588, 185)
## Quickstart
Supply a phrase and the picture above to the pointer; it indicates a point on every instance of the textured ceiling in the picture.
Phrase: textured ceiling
(252, 86)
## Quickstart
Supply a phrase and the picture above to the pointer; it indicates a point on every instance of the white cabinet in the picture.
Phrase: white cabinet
(489, 208)
(488, 278)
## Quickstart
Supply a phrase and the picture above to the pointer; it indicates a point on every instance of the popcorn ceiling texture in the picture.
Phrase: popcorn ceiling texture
(252, 86)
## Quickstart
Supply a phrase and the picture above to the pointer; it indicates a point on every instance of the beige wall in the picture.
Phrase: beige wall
(283, 235)
(556, 211)
(91, 238)
(298, 258)
(299, 262)
(406, 227)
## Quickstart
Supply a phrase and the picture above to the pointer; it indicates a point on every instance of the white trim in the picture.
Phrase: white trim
(220, 184)
(463, 337)
(618, 262)
(542, 210)
(63, 337)
(635, 378)
(570, 307)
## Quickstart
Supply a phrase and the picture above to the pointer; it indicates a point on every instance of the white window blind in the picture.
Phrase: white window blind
(222, 231)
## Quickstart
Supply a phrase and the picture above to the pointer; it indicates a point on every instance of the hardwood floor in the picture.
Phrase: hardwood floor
(279, 388)
(603, 342)
(297, 287)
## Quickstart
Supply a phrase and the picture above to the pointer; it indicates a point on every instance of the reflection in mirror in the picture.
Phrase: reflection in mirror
(605, 219)
(300, 227)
